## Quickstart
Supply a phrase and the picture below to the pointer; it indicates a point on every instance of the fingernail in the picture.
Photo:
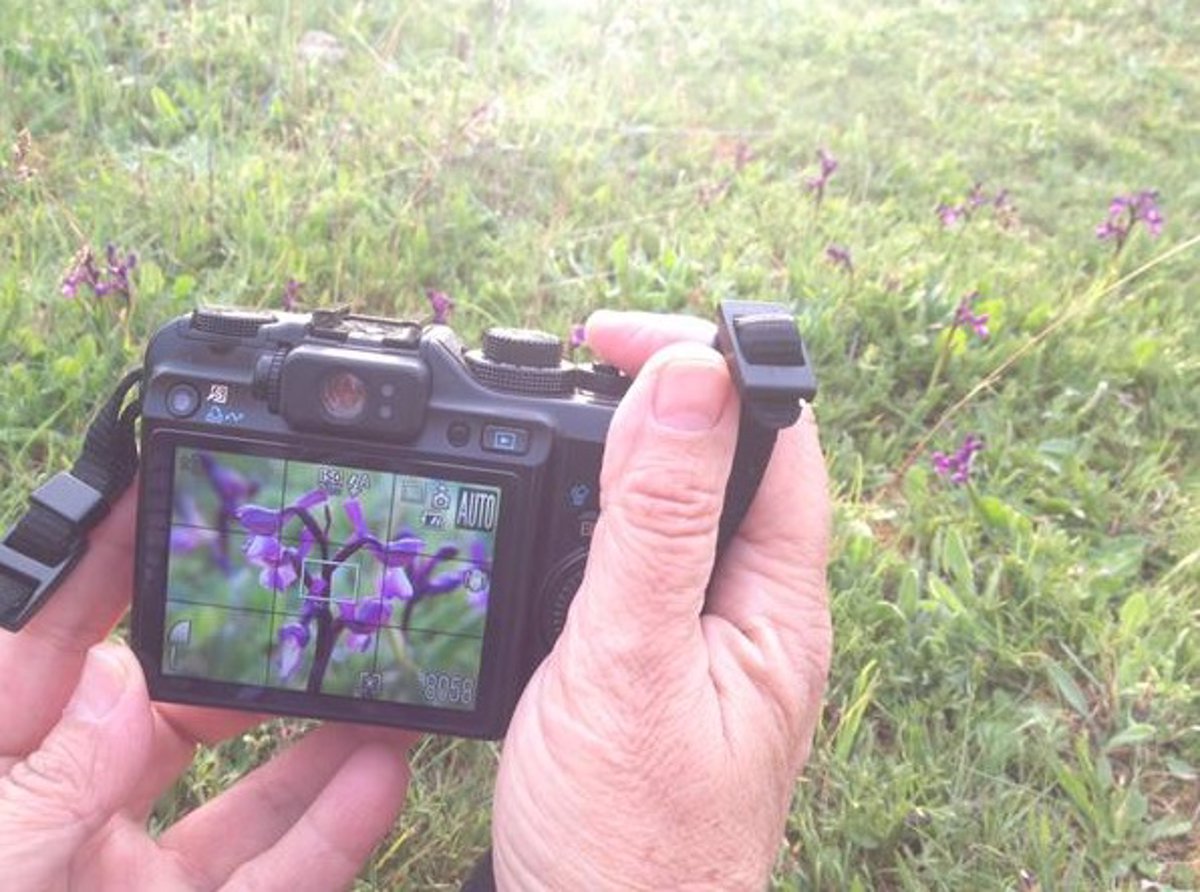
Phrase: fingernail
(100, 687)
(690, 394)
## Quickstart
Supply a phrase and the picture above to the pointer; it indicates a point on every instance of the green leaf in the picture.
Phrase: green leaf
(957, 560)
(1166, 828)
(945, 594)
(860, 699)
(1134, 734)
(183, 287)
(1134, 613)
(1182, 769)
(1000, 515)
(1068, 689)
(165, 106)
(909, 595)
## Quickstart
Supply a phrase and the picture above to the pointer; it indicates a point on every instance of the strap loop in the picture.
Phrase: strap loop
(46, 543)
(769, 366)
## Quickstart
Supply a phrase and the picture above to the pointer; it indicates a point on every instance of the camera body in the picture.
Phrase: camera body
(361, 519)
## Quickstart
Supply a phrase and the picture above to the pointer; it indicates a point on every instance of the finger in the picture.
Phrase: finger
(40, 666)
(628, 339)
(666, 460)
(77, 779)
(267, 802)
(771, 581)
(178, 731)
(328, 844)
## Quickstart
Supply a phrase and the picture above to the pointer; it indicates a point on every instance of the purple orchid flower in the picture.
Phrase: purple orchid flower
(816, 185)
(293, 638)
(441, 304)
(291, 294)
(957, 467)
(966, 317)
(113, 279)
(839, 256)
(1125, 212)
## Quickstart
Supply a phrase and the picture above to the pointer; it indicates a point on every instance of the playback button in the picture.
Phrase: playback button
(506, 440)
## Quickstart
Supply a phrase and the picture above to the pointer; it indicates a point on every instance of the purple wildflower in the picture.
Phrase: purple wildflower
(1125, 212)
(113, 279)
(967, 317)
(977, 197)
(362, 620)
(397, 585)
(951, 214)
(265, 522)
(293, 638)
(957, 467)
(258, 520)
(839, 256)
(423, 581)
(232, 490)
(441, 304)
(279, 565)
(578, 336)
(291, 294)
(816, 185)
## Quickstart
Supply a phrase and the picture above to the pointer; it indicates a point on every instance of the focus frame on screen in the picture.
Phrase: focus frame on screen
(240, 556)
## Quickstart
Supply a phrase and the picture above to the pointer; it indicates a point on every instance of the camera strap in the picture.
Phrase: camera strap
(774, 378)
(48, 540)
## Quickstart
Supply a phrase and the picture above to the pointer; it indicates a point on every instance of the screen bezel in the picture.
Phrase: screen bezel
(504, 625)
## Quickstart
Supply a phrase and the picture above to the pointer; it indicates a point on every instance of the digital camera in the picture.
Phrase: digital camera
(361, 519)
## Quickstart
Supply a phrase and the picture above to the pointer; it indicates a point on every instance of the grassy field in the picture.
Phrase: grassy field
(1015, 700)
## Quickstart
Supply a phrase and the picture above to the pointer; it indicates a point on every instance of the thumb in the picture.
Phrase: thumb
(662, 485)
(59, 795)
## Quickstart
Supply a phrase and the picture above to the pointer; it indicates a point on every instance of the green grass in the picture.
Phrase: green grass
(1014, 701)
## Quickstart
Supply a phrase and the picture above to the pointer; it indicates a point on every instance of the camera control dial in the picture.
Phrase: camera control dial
(522, 346)
(557, 595)
(230, 322)
(521, 360)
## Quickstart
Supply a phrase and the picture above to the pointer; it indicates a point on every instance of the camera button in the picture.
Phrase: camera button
(183, 400)
(508, 440)
(458, 433)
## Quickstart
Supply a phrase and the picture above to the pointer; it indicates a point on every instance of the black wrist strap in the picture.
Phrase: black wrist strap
(774, 378)
(481, 878)
(42, 547)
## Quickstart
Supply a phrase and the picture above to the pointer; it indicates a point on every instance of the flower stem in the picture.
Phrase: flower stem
(327, 633)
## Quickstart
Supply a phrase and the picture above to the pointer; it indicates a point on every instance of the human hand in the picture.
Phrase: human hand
(657, 746)
(84, 754)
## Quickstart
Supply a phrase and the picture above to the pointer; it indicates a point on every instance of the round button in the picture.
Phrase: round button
(458, 433)
(183, 400)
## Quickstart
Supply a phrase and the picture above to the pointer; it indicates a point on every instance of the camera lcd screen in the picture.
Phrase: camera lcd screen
(334, 580)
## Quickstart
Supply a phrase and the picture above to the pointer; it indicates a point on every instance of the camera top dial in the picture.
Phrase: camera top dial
(520, 360)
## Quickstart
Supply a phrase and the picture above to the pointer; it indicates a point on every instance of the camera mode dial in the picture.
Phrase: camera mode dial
(521, 360)
(522, 346)
(230, 322)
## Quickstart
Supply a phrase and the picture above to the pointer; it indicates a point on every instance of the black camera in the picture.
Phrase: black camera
(361, 519)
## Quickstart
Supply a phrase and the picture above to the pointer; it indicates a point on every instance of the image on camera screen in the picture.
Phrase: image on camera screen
(334, 580)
